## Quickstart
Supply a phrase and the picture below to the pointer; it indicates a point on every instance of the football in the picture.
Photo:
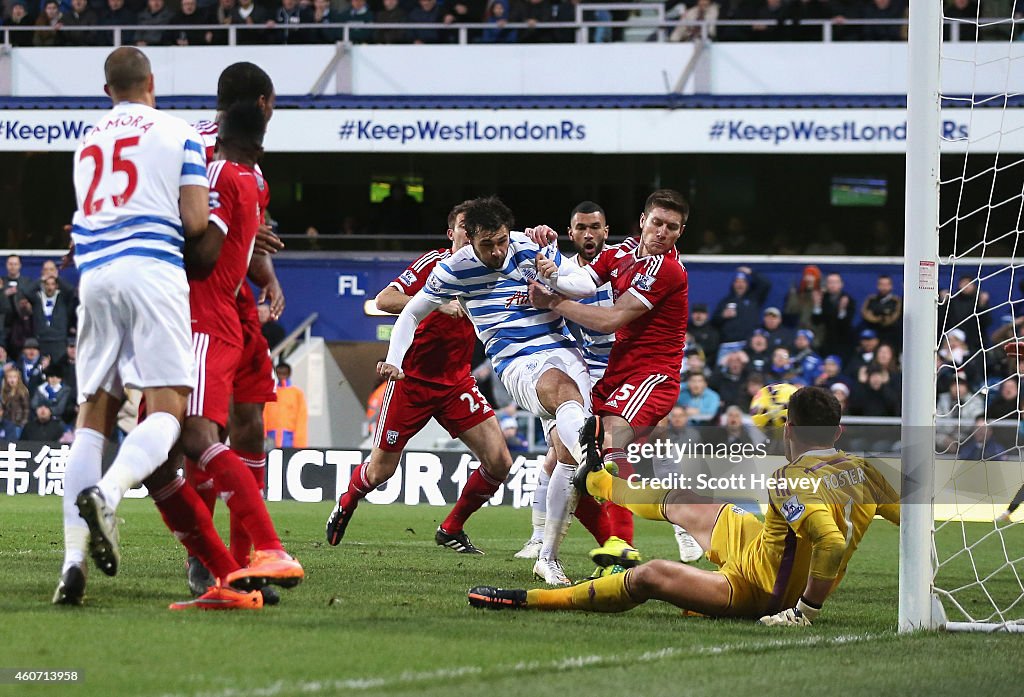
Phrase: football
(770, 406)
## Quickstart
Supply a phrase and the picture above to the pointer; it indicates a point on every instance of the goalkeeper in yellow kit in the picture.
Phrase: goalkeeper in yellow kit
(780, 571)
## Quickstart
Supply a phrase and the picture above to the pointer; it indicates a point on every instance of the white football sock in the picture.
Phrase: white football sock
(562, 498)
(84, 468)
(540, 505)
(141, 453)
(569, 419)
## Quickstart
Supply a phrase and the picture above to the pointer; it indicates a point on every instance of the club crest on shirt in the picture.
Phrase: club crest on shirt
(792, 509)
(434, 284)
(407, 278)
(643, 281)
(392, 437)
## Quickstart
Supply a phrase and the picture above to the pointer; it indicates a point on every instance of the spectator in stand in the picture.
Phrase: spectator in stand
(693, 363)
(700, 402)
(53, 317)
(15, 397)
(781, 368)
(882, 312)
(510, 429)
(44, 427)
(464, 11)
(805, 361)
(286, 420)
(533, 13)
(710, 243)
(703, 333)
(391, 14)
(885, 360)
(833, 317)
(272, 330)
(9, 431)
(156, 14)
(31, 364)
(564, 11)
(772, 16)
(427, 12)
(290, 12)
(875, 396)
(778, 335)
(80, 15)
(704, 11)
(864, 353)
(831, 373)
(739, 312)
(957, 407)
(50, 22)
(733, 430)
(17, 16)
(250, 14)
(224, 15)
(801, 299)
(20, 329)
(842, 393)
(966, 310)
(755, 381)
(54, 393)
(983, 444)
(955, 356)
(891, 10)
(322, 15)
(50, 270)
(758, 355)
(117, 15)
(1007, 404)
(844, 10)
(730, 381)
(802, 10)
(67, 368)
(191, 14)
(966, 10)
(357, 13)
(497, 16)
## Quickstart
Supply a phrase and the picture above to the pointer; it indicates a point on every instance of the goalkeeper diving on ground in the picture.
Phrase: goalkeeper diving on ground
(780, 571)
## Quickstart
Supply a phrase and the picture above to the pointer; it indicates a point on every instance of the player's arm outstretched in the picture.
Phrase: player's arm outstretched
(828, 546)
(604, 320)
(414, 312)
(559, 274)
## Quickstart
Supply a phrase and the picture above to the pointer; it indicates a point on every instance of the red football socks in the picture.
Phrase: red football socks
(187, 517)
(479, 488)
(358, 488)
(239, 490)
(594, 518)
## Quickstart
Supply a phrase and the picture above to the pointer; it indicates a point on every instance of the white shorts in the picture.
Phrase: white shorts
(134, 328)
(521, 375)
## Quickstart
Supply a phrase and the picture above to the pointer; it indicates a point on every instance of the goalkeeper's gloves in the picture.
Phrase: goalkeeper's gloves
(800, 616)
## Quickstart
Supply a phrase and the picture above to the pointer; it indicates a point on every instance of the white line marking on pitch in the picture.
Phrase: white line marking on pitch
(315, 687)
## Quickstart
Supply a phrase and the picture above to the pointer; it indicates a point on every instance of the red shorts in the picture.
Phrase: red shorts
(255, 382)
(409, 404)
(642, 399)
(216, 362)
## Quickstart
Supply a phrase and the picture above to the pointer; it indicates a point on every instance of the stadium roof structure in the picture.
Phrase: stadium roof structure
(637, 101)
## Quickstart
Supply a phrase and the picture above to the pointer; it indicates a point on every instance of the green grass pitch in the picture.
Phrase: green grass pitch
(385, 613)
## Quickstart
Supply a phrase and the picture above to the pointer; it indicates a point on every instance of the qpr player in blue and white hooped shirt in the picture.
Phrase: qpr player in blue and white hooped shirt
(491, 278)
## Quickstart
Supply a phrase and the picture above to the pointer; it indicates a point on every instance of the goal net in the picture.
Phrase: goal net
(973, 357)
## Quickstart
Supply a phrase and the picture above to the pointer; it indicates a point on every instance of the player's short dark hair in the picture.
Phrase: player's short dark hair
(814, 413)
(243, 126)
(487, 215)
(126, 69)
(242, 82)
(586, 208)
(453, 215)
(885, 276)
(670, 200)
(286, 366)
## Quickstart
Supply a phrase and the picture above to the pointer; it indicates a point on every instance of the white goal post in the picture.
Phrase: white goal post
(962, 570)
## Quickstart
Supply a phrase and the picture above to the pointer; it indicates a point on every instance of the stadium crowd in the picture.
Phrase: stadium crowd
(776, 20)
